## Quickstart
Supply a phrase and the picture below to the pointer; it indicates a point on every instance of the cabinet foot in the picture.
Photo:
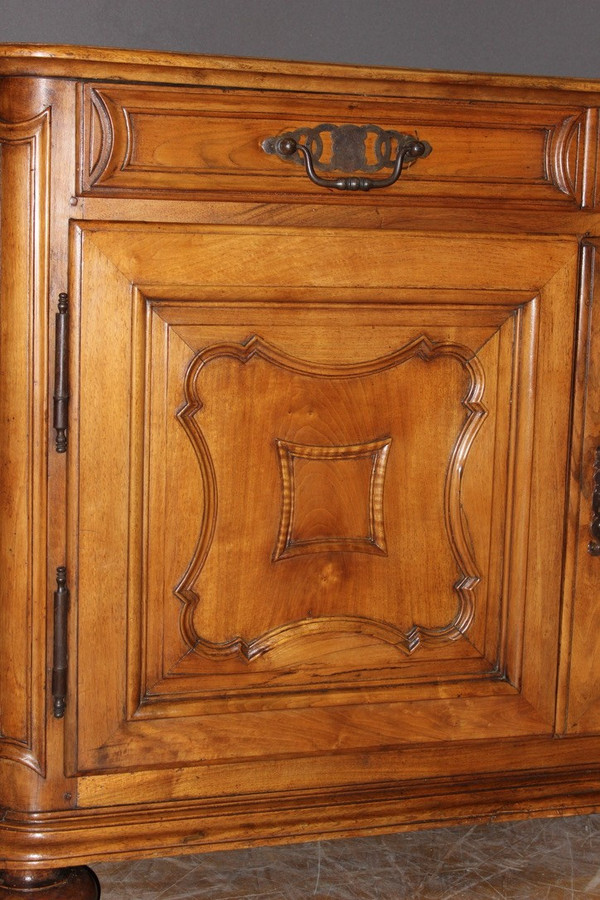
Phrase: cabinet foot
(78, 883)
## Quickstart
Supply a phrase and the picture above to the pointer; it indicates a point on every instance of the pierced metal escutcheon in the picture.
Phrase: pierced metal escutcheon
(349, 146)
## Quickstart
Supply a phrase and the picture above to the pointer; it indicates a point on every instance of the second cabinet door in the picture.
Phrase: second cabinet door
(317, 492)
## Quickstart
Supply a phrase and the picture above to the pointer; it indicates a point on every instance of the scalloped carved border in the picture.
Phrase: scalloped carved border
(249, 649)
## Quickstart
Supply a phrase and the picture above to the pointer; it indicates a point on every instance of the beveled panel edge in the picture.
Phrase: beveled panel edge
(176, 694)
(179, 702)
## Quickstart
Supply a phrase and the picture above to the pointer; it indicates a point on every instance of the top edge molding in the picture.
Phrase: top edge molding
(66, 61)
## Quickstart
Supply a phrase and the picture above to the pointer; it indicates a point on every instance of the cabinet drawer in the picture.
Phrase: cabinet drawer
(150, 141)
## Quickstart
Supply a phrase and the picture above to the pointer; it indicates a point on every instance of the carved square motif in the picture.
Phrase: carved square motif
(332, 498)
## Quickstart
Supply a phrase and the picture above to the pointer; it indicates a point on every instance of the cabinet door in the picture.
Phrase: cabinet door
(317, 495)
(581, 712)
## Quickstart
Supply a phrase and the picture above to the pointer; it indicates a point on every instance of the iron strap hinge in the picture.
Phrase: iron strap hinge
(61, 374)
(60, 660)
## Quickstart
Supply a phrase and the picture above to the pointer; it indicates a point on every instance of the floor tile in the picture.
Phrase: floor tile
(552, 859)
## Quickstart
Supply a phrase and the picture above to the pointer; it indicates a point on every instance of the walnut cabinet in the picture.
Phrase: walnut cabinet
(299, 482)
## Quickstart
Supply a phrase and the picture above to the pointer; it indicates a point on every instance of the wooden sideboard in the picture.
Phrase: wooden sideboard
(299, 471)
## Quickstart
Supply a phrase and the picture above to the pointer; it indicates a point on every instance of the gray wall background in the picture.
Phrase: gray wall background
(542, 37)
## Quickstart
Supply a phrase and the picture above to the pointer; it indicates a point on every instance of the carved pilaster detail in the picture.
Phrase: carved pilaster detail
(248, 647)
(24, 214)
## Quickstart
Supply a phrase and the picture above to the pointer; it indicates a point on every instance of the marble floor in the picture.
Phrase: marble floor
(550, 859)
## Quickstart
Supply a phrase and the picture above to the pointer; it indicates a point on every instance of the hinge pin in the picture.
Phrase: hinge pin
(59, 670)
(61, 374)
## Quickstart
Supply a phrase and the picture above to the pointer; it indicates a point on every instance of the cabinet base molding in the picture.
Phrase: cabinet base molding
(77, 883)
(78, 836)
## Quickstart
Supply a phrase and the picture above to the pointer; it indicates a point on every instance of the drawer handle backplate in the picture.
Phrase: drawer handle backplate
(349, 153)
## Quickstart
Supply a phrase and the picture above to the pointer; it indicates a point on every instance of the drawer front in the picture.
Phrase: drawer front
(150, 141)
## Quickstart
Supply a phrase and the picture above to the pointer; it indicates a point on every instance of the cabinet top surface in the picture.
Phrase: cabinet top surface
(97, 62)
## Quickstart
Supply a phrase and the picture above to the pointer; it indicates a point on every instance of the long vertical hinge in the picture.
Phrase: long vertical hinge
(61, 374)
(60, 661)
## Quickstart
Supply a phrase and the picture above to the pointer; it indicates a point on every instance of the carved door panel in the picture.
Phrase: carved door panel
(317, 490)
(581, 712)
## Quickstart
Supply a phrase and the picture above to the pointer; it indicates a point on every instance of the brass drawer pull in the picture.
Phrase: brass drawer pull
(348, 144)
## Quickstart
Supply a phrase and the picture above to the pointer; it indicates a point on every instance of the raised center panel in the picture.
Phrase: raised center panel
(306, 521)
(313, 479)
